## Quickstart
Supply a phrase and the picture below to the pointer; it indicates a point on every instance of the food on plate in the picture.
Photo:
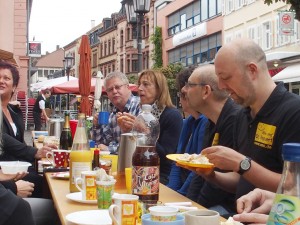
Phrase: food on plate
(41, 138)
(194, 158)
(231, 221)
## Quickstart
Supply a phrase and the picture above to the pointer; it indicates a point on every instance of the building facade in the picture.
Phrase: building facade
(191, 30)
(14, 20)
(262, 23)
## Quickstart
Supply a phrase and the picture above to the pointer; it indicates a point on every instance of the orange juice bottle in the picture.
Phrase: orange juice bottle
(80, 156)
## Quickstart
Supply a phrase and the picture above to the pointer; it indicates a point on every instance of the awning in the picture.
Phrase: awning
(289, 74)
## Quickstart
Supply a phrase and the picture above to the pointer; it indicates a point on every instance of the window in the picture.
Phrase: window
(266, 35)
(212, 8)
(105, 48)
(204, 9)
(128, 33)
(109, 47)
(189, 61)
(128, 65)
(253, 33)
(40, 73)
(229, 6)
(121, 38)
(239, 4)
(51, 72)
(134, 65)
(134, 32)
(94, 59)
(183, 21)
(46, 73)
(122, 65)
(189, 22)
(113, 45)
(102, 50)
(238, 34)
(197, 52)
(197, 19)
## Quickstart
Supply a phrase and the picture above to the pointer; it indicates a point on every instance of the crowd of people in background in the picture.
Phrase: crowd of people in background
(227, 104)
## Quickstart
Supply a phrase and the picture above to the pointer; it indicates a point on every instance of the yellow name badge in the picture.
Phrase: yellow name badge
(264, 135)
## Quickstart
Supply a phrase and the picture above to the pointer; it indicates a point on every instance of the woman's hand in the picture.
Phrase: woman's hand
(14, 177)
(41, 152)
(24, 188)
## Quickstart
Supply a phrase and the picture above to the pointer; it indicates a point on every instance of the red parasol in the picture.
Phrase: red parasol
(85, 74)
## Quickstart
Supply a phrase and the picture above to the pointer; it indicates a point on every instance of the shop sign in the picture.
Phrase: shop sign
(190, 34)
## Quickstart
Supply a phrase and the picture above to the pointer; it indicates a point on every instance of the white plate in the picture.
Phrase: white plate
(61, 175)
(77, 197)
(89, 217)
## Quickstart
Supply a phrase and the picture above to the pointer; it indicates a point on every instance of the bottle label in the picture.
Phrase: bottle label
(145, 180)
(77, 168)
(285, 210)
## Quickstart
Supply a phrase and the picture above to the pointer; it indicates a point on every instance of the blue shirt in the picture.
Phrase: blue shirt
(190, 142)
(110, 134)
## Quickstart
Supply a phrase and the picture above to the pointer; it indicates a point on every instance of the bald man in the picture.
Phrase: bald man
(271, 117)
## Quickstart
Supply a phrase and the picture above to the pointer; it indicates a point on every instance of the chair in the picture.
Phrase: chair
(29, 116)
(21, 97)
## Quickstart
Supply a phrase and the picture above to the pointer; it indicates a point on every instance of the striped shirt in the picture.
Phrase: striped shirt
(110, 134)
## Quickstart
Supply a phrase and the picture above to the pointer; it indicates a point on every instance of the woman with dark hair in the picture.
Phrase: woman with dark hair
(14, 146)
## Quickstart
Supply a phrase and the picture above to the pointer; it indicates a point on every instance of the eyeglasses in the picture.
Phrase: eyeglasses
(190, 85)
(117, 87)
(180, 95)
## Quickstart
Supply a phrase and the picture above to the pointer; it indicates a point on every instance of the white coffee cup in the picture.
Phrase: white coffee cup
(163, 213)
(125, 206)
(202, 217)
(88, 185)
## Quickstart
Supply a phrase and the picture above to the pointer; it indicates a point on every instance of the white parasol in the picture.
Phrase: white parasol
(98, 91)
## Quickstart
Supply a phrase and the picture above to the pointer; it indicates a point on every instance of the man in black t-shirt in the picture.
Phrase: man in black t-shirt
(39, 109)
(204, 96)
(271, 118)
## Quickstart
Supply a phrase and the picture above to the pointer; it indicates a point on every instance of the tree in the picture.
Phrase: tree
(295, 6)
(156, 56)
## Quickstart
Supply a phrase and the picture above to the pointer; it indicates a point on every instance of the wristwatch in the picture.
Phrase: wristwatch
(245, 165)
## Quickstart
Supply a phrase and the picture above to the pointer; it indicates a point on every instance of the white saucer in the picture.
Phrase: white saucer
(89, 217)
(77, 197)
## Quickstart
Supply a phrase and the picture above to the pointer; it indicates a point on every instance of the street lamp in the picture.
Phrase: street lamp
(68, 64)
(135, 11)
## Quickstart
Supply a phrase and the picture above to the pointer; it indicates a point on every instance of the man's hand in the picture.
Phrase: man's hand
(24, 188)
(256, 201)
(223, 158)
(95, 119)
(252, 218)
(41, 152)
(125, 121)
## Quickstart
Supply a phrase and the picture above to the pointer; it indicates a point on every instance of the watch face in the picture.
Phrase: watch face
(245, 164)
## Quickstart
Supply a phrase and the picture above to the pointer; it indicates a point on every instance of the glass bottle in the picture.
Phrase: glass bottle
(80, 156)
(145, 159)
(286, 205)
(96, 164)
(66, 141)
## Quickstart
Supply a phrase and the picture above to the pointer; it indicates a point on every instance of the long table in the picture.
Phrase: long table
(60, 188)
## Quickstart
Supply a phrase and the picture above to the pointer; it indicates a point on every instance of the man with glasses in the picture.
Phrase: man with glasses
(204, 96)
(270, 118)
(116, 84)
(191, 136)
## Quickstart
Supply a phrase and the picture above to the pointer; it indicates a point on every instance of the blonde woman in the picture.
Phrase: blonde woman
(153, 89)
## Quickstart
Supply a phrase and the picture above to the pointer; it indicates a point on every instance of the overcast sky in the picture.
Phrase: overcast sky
(59, 22)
